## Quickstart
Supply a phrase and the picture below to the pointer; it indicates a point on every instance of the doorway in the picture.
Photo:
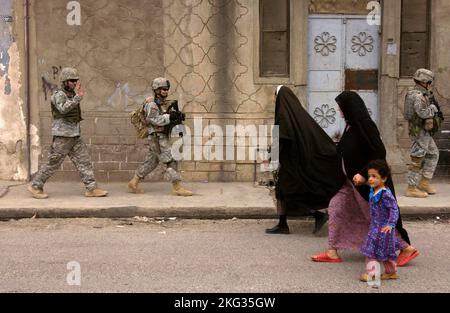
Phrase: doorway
(343, 54)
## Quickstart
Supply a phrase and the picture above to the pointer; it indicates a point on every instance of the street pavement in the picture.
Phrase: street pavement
(210, 200)
(178, 255)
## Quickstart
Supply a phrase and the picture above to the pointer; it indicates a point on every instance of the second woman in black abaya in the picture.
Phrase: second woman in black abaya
(348, 210)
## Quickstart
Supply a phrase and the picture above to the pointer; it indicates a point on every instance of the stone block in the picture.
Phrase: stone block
(245, 172)
(136, 153)
(222, 176)
(195, 176)
(120, 176)
(107, 166)
(112, 153)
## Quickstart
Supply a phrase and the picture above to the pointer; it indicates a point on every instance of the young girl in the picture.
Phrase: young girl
(381, 244)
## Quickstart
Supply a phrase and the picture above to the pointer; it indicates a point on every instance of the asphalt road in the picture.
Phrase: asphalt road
(198, 256)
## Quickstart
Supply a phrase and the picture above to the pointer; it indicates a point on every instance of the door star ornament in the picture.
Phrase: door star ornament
(325, 44)
(362, 44)
(325, 116)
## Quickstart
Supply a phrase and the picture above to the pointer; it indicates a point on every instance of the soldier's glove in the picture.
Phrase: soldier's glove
(434, 108)
(440, 115)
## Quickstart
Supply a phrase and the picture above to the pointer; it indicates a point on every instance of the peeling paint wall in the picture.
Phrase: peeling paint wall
(12, 119)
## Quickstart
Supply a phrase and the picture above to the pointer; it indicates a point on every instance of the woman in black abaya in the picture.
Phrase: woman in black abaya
(348, 210)
(309, 173)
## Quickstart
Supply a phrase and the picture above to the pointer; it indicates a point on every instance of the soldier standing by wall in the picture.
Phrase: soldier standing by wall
(159, 143)
(424, 118)
(66, 133)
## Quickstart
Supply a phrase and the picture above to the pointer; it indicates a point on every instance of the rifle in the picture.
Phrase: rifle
(433, 100)
(438, 117)
(176, 118)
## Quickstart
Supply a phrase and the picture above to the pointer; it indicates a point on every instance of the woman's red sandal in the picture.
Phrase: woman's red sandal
(324, 258)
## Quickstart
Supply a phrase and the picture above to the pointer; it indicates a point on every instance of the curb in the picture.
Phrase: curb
(180, 212)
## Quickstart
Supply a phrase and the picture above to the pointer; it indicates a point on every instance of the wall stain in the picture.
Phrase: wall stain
(55, 71)
(48, 87)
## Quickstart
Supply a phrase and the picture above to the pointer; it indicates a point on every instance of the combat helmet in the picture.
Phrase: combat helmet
(160, 82)
(424, 76)
(68, 73)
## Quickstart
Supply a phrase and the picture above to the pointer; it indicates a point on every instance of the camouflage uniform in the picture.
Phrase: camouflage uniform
(424, 152)
(66, 142)
(159, 142)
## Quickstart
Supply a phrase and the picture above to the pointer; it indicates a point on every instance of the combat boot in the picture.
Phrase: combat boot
(180, 191)
(425, 185)
(414, 192)
(133, 185)
(37, 193)
(96, 193)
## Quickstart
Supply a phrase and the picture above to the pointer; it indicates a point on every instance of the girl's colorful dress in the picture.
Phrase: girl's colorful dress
(383, 212)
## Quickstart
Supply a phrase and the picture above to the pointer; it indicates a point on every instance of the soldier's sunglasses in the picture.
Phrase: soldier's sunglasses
(73, 80)
(165, 89)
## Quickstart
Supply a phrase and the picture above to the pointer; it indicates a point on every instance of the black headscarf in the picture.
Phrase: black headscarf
(356, 114)
(310, 172)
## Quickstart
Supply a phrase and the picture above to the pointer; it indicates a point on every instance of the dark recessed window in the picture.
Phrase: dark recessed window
(274, 38)
(415, 45)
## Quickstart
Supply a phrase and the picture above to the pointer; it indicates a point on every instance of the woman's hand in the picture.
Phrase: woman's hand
(386, 229)
(359, 180)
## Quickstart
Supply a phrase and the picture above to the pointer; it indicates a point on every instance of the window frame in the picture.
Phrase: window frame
(298, 45)
(262, 31)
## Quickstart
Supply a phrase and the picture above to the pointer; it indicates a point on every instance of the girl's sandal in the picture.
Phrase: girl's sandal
(390, 276)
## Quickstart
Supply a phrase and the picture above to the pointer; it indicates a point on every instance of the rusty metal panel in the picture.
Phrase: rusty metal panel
(361, 79)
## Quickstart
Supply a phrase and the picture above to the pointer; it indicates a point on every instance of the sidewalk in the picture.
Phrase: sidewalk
(211, 200)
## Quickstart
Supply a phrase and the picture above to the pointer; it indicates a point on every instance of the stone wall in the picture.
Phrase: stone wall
(203, 47)
(118, 49)
(209, 57)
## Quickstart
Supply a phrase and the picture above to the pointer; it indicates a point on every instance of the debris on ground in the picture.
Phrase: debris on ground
(143, 219)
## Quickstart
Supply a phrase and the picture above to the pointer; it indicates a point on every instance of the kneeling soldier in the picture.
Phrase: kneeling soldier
(66, 138)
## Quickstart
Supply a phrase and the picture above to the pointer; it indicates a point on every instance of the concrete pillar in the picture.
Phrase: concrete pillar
(390, 67)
